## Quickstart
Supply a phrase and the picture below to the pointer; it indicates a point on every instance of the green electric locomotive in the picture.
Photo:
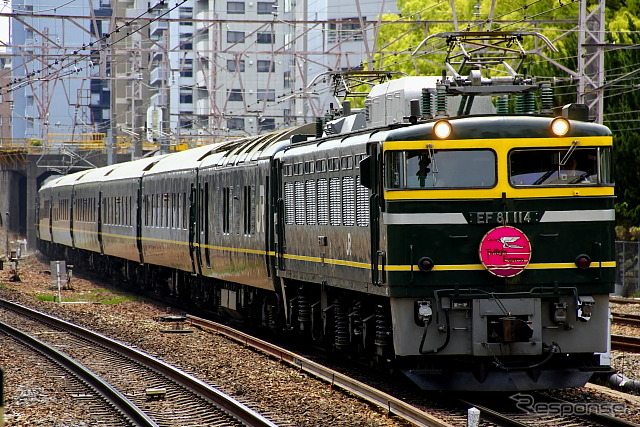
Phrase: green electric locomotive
(459, 229)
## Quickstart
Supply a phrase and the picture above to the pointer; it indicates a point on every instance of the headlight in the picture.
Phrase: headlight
(560, 126)
(442, 129)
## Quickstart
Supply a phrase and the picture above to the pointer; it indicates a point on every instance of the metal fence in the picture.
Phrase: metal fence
(628, 269)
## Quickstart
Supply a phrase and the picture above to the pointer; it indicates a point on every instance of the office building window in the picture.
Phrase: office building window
(265, 7)
(266, 124)
(266, 94)
(235, 123)
(287, 79)
(265, 38)
(235, 7)
(234, 94)
(265, 66)
(347, 29)
(186, 96)
(186, 12)
(233, 65)
(187, 68)
(186, 41)
(235, 36)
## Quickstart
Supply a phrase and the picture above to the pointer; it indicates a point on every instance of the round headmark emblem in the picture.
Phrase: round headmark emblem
(505, 251)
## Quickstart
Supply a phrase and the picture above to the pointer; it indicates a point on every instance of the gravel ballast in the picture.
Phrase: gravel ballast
(34, 398)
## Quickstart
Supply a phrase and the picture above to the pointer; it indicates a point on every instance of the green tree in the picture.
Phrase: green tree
(622, 107)
(401, 34)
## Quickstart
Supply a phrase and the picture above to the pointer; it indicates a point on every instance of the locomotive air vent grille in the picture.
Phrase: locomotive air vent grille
(335, 201)
(362, 204)
(311, 202)
(300, 212)
(348, 201)
(323, 202)
(289, 203)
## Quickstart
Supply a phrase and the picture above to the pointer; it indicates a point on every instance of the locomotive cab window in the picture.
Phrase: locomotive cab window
(429, 169)
(554, 167)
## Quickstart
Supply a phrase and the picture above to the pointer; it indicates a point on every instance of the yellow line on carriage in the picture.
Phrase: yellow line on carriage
(342, 262)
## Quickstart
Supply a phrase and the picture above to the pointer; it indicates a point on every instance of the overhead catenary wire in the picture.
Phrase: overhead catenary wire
(9, 87)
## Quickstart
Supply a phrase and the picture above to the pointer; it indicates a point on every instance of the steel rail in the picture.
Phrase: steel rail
(584, 412)
(625, 343)
(488, 414)
(120, 403)
(560, 406)
(625, 319)
(336, 379)
(236, 409)
(621, 300)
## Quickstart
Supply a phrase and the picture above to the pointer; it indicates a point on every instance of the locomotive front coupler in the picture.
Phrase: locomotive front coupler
(584, 306)
(423, 313)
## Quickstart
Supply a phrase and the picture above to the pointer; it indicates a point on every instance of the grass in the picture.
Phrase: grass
(51, 298)
(97, 296)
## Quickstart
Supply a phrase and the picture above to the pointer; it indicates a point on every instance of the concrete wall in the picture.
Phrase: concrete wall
(12, 200)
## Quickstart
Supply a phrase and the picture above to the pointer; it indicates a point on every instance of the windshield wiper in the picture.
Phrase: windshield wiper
(432, 158)
(569, 152)
(432, 161)
(555, 166)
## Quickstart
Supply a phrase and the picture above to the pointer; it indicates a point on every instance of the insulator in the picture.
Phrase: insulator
(441, 100)
(383, 328)
(502, 104)
(546, 97)
(529, 102)
(304, 309)
(426, 105)
(328, 129)
(519, 104)
(367, 110)
(341, 336)
(319, 126)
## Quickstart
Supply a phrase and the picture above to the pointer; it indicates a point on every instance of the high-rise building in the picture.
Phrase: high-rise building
(182, 73)
(58, 97)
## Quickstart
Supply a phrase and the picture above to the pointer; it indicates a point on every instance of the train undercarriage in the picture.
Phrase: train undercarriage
(342, 322)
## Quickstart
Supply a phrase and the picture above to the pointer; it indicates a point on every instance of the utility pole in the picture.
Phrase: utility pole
(591, 26)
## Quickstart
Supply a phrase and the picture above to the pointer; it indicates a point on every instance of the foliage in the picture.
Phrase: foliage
(621, 110)
(396, 44)
(627, 234)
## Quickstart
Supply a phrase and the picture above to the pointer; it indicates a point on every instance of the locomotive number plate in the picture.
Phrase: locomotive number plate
(504, 217)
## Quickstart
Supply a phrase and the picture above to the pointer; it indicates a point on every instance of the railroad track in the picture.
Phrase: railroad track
(540, 409)
(626, 319)
(335, 379)
(621, 300)
(625, 343)
(452, 410)
(92, 385)
(416, 413)
(164, 391)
